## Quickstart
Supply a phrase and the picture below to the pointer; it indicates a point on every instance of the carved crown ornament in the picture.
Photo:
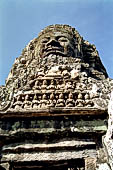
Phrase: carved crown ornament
(57, 71)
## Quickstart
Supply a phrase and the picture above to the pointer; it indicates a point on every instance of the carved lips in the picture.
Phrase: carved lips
(54, 50)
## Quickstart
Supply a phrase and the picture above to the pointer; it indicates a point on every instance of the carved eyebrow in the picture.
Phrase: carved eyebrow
(62, 36)
(48, 37)
(45, 39)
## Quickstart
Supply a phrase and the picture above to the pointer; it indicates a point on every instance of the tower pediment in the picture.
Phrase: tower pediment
(58, 69)
(53, 107)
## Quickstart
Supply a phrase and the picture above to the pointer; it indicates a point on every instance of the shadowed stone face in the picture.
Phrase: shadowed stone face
(56, 43)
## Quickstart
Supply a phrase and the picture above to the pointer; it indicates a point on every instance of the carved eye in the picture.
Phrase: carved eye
(45, 40)
(63, 39)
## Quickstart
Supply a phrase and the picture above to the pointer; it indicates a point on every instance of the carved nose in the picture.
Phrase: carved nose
(53, 43)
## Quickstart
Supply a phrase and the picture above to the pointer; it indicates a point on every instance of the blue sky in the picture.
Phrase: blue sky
(22, 20)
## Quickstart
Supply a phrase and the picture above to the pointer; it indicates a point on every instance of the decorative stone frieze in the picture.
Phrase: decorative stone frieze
(53, 107)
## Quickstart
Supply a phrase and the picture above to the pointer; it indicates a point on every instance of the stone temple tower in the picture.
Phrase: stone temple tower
(54, 106)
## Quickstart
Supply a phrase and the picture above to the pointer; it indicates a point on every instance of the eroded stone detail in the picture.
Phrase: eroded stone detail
(58, 89)
(108, 139)
(58, 61)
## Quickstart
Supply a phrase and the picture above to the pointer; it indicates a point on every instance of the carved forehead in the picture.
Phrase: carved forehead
(58, 29)
(55, 34)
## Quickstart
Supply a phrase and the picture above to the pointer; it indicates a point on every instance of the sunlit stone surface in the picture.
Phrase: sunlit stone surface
(54, 105)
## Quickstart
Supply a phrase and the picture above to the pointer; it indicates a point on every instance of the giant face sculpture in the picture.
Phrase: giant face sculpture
(56, 43)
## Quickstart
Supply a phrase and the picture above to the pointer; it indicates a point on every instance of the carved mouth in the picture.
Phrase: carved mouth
(55, 50)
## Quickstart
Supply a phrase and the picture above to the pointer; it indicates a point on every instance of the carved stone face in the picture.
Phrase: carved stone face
(56, 43)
